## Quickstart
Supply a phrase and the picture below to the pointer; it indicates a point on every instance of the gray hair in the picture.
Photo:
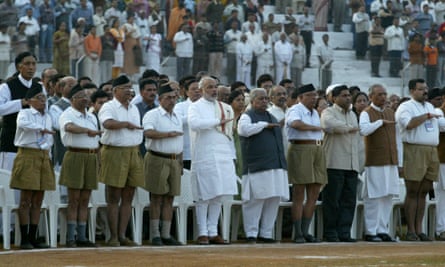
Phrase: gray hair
(254, 93)
(203, 80)
(374, 86)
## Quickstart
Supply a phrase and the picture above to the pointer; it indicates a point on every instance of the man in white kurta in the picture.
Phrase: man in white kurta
(383, 156)
(213, 169)
(244, 56)
(264, 53)
(439, 190)
(264, 169)
(283, 57)
(278, 97)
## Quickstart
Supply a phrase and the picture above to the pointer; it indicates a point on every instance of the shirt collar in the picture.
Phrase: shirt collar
(165, 113)
(78, 113)
(25, 82)
(376, 108)
(341, 109)
(65, 99)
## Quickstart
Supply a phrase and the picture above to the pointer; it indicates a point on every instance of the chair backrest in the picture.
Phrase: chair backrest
(186, 195)
(98, 196)
(141, 197)
(53, 197)
(9, 196)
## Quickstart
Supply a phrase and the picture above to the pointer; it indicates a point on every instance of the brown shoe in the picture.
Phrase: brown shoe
(202, 240)
(217, 240)
(125, 242)
(441, 236)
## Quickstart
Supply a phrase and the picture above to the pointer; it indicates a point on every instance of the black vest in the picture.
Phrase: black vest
(263, 151)
(59, 149)
(18, 91)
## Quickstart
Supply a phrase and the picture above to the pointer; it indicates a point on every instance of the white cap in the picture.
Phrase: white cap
(331, 87)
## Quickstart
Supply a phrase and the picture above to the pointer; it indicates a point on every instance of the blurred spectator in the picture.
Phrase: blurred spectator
(47, 28)
(184, 51)
(99, 21)
(440, 12)
(361, 20)
(119, 36)
(416, 57)
(234, 5)
(298, 61)
(5, 47)
(264, 53)
(244, 53)
(216, 50)
(9, 15)
(19, 40)
(154, 49)
(306, 24)
(338, 14)
(82, 12)
(32, 29)
(175, 21)
(231, 38)
(376, 42)
(441, 61)
(396, 44)
(386, 15)
(425, 20)
(93, 52)
(61, 57)
(132, 48)
(431, 54)
(107, 56)
(201, 46)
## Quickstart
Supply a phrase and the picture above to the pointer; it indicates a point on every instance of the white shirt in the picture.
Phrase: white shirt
(244, 53)
(181, 109)
(124, 137)
(395, 37)
(81, 140)
(55, 112)
(299, 112)
(160, 120)
(439, 9)
(228, 39)
(99, 21)
(299, 56)
(426, 133)
(184, 44)
(283, 52)
(32, 26)
(361, 21)
(245, 27)
(325, 52)
(132, 30)
(306, 23)
(8, 106)
(30, 123)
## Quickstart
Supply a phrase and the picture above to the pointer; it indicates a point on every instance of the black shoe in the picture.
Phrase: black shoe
(71, 244)
(332, 239)
(156, 241)
(26, 245)
(267, 240)
(251, 240)
(170, 242)
(386, 237)
(85, 244)
(348, 239)
(40, 245)
(299, 240)
(372, 238)
(423, 237)
(311, 239)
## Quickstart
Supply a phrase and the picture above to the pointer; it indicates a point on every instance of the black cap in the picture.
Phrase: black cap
(164, 89)
(306, 88)
(33, 91)
(74, 90)
(337, 90)
(120, 80)
(435, 92)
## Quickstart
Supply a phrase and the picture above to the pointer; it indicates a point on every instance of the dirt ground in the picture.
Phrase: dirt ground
(285, 254)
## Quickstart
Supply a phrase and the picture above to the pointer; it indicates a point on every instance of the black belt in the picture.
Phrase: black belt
(165, 155)
(307, 142)
(83, 150)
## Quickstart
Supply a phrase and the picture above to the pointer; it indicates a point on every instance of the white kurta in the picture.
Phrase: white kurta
(244, 55)
(264, 184)
(264, 53)
(283, 58)
(380, 181)
(213, 170)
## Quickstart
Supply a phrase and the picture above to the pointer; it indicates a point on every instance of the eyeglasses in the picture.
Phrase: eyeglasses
(39, 97)
(80, 96)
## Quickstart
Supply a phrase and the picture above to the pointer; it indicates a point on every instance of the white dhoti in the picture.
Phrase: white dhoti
(440, 197)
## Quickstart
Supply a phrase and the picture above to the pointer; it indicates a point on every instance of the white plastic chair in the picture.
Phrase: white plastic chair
(55, 206)
(141, 201)
(226, 215)
(97, 200)
(395, 220)
(181, 204)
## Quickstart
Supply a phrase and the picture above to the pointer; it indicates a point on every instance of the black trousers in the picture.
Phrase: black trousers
(339, 199)
(307, 38)
(375, 54)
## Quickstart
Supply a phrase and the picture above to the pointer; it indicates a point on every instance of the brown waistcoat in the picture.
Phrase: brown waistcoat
(380, 146)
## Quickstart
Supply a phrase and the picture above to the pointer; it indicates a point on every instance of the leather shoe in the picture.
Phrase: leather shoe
(71, 244)
(386, 238)
(411, 237)
(26, 245)
(85, 244)
(423, 237)
(40, 245)
(127, 242)
(217, 240)
(156, 241)
(348, 239)
(311, 239)
(267, 240)
(372, 238)
(170, 242)
(251, 240)
(202, 240)
(299, 240)
(332, 239)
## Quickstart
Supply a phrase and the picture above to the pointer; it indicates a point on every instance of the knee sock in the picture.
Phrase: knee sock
(32, 233)
(154, 229)
(297, 228)
(81, 231)
(165, 230)
(24, 233)
(305, 223)
(71, 225)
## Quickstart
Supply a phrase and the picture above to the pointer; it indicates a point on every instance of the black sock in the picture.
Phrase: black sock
(24, 233)
(33, 233)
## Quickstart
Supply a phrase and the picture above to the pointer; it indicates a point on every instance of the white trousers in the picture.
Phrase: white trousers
(207, 215)
(282, 71)
(259, 216)
(377, 214)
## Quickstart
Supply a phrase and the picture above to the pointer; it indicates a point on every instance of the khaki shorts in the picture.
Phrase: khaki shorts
(162, 175)
(32, 170)
(306, 164)
(79, 170)
(420, 162)
(121, 166)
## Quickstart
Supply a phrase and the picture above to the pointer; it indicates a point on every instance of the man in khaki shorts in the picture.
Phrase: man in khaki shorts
(79, 133)
(32, 172)
(121, 162)
(163, 164)
(419, 128)
(307, 163)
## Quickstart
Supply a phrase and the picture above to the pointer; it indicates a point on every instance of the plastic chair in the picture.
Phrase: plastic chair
(97, 200)
(181, 204)
(141, 201)
(395, 220)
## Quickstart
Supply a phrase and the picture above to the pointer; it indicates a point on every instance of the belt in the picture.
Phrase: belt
(307, 142)
(165, 155)
(83, 150)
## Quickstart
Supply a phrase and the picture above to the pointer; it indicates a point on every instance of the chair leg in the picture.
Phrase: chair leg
(236, 215)
(6, 216)
(92, 224)
(279, 224)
